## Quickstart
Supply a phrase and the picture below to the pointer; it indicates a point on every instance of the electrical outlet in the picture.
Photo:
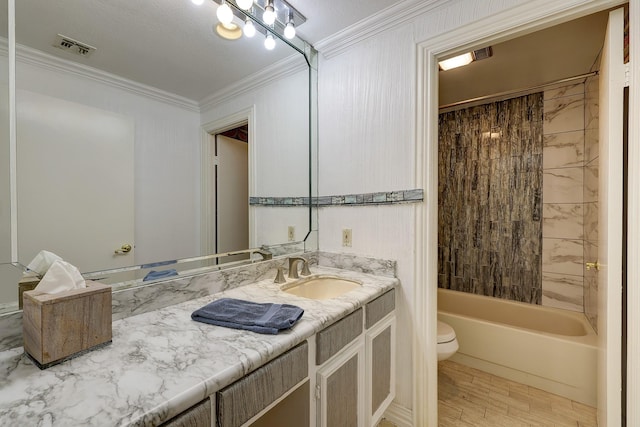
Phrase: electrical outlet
(291, 233)
(346, 237)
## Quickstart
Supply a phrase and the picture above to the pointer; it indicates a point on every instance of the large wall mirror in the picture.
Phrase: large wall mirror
(139, 127)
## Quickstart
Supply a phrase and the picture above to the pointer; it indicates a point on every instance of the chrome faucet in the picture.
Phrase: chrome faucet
(293, 267)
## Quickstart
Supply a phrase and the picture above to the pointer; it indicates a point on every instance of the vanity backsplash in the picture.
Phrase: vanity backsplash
(137, 300)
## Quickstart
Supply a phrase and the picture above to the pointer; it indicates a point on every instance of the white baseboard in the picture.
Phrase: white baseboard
(399, 415)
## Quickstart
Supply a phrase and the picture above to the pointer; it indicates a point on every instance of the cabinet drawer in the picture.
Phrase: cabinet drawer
(199, 415)
(332, 339)
(245, 398)
(380, 307)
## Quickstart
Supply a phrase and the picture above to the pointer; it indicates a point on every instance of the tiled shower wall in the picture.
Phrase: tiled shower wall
(590, 192)
(468, 201)
(490, 185)
(563, 198)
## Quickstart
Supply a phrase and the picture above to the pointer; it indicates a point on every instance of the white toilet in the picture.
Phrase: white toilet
(447, 342)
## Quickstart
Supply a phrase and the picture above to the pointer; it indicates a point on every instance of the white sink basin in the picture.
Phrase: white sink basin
(321, 287)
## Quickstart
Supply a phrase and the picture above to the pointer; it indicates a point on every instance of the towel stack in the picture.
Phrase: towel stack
(267, 318)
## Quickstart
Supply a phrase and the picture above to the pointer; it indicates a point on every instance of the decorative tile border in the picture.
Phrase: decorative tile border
(381, 198)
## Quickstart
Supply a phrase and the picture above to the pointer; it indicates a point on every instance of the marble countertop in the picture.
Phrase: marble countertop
(161, 363)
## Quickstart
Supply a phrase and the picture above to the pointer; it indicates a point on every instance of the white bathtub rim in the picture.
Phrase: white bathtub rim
(588, 340)
(568, 314)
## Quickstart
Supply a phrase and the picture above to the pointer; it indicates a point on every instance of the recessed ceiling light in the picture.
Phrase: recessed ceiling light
(230, 31)
(456, 61)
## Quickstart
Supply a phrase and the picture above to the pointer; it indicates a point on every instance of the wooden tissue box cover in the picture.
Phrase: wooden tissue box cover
(56, 327)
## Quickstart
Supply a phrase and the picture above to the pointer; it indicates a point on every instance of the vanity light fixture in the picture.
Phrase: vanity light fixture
(244, 4)
(269, 15)
(269, 42)
(273, 18)
(249, 29)
(290, 29)
(224, 13)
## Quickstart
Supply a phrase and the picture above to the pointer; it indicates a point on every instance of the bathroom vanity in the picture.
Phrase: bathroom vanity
(334, 367)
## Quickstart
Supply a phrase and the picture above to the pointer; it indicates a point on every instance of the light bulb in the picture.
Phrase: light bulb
(197, 2)
(244, 4)
(456, 61)
(269, 15)
(289, 30)
(269, 42)
(224, 13)
(249, 29)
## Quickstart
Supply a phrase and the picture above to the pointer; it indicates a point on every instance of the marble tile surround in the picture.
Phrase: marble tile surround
(563, 185)
(563, 150)
(138, 300)
(563, 220)
(591, 198)
(563, 197)
(570, 194)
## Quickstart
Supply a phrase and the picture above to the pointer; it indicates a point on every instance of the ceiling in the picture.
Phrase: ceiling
(562, 51)
(170, 44)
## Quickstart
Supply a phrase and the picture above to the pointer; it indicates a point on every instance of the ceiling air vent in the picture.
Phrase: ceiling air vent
(483, 53)
(73, 46)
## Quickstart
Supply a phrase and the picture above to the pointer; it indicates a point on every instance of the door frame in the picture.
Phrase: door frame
(207, 214)
(530, 16)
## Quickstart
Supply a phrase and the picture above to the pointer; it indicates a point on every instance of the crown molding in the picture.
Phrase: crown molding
(46, 61)
(271, 73)
(274, 72)
(390, 17)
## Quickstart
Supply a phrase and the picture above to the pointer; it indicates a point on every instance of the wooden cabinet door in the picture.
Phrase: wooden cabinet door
(340, 388)
(380, 351)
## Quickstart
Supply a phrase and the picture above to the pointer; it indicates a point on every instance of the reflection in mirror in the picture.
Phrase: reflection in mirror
(116, 146)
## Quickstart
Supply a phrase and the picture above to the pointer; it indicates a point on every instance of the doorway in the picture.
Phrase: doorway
(231, 192)
(227, 180)
(512, 23)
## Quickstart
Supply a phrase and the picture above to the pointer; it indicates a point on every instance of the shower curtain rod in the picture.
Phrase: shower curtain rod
(517, 91)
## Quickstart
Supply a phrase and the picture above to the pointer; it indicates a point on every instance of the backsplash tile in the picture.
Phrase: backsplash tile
(137, 300)
(380, 198)
(379, 267)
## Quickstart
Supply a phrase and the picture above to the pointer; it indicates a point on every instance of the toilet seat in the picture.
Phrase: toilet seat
(445, 333)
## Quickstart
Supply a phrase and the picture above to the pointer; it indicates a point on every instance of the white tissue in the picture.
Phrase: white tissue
(61, 277)
(42, 262)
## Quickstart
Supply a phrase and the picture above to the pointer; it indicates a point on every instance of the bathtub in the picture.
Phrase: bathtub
(550, 349)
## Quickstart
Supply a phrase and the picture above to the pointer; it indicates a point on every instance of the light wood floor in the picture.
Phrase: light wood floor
(469, 397)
